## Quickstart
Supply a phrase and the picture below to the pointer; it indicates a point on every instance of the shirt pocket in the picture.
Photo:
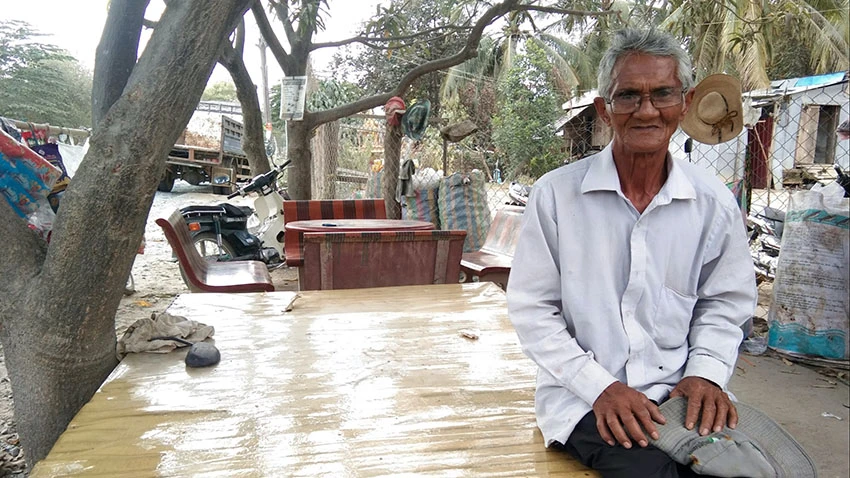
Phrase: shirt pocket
(672, 318)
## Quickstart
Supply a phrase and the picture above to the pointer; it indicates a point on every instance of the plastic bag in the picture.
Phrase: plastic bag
(41, 221)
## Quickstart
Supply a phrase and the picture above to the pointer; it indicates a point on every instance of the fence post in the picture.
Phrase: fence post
(325, 160)
(392, 165)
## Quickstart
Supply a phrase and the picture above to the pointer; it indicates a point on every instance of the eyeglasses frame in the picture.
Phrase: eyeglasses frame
(610, 102)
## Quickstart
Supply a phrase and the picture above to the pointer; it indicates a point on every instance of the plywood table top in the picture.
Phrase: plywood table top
(362, 382)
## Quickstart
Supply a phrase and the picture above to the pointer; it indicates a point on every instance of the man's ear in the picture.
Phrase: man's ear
(689, 97)
(601, 110)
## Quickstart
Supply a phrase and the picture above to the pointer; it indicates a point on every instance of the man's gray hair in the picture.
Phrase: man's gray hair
(649, 42)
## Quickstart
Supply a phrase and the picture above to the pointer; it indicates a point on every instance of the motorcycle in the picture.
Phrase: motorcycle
(843, 180)
(222, 232)
(518, 194)
(764, 229)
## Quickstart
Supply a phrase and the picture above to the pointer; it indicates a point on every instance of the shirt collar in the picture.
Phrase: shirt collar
(602, 173)
(602, 176)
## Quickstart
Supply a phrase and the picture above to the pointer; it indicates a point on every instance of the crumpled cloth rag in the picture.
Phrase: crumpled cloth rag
(138, 336)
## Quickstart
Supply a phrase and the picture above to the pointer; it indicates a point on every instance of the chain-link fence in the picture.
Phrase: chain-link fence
(789, 143)
(360, 153)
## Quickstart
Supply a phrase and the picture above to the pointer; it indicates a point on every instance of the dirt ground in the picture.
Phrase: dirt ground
(813, 404)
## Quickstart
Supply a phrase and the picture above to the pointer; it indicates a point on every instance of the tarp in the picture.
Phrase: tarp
(25, 177)
(810, 307)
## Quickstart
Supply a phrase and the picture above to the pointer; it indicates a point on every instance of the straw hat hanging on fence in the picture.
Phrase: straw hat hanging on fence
(716, 113)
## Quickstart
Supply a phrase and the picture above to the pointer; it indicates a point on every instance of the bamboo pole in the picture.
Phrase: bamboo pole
(80, 134)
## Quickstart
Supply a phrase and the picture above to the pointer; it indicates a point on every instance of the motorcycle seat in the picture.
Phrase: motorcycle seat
(220, 209)
(236, 211)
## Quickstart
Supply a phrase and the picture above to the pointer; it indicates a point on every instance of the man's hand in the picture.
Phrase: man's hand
(621, 409)
(704, 395)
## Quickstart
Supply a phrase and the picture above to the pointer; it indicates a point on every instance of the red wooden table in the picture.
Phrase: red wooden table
(294, 248)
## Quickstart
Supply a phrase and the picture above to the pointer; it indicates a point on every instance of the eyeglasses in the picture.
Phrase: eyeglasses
(629, 101)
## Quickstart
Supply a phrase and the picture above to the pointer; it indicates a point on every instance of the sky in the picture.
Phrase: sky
(76, 26)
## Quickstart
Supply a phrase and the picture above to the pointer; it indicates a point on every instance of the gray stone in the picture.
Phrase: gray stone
(202, 354)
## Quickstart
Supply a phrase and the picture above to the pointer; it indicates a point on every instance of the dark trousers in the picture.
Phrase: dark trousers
(586, 445)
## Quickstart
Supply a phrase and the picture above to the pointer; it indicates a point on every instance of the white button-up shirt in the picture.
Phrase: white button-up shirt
(600, 292)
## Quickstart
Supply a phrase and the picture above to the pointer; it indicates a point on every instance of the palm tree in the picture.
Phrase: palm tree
(571, 67)
(742, 36)
(574, 44)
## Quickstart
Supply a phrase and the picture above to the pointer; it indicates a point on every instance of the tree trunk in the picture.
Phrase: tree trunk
(325, 160)
(298, 151)
(253, 142)
(392, 166)
(57, 306)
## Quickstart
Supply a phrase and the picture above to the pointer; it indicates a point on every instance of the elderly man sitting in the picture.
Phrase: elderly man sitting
(632, 278)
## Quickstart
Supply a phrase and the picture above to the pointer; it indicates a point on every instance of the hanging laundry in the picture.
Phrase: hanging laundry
(34, 137)
(9, 127)
(50, 152)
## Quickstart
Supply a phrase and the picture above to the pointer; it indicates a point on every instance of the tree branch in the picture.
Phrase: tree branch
(116, 53)
(365, 38)
(407, 45)
(563, 11)
(239, 40)
(283, 58)
(470, 50)
(313, 119)
(282, 11)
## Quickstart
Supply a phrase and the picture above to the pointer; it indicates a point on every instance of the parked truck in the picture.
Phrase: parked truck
(208, 151)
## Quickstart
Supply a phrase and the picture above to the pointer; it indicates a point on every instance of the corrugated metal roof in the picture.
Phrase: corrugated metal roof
(580, 102)
(572, 113)
(793, 86)
(820, 80)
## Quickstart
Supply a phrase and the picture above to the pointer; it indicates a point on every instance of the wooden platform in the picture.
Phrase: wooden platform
(377, 382)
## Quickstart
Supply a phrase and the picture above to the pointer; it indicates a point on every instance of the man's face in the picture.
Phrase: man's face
(647, 129)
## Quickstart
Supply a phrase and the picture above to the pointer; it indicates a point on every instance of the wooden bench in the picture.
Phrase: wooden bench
(304, 210)
(493, 261)
(201, 275)
(353, 260)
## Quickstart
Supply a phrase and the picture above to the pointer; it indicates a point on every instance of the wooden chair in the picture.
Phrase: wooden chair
(346, 260)
(493, 261)
(201, 275)
(304, 210)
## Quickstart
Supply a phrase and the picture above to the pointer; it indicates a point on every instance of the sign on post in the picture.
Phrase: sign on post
(293, 90)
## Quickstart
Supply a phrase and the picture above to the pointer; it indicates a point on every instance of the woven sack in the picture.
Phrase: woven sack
(462, 203)
(422, 206)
